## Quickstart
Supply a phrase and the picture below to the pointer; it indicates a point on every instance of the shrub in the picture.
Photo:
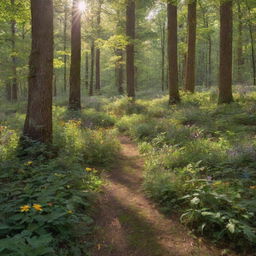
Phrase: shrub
(92, 118)
(125, 106)
(40, 206)
(85, 145)
(8, 143)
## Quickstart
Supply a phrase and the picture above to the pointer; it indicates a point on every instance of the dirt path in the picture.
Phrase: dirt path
(128, 224)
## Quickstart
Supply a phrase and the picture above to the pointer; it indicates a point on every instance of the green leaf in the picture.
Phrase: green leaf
(195, 201)
(231, 227)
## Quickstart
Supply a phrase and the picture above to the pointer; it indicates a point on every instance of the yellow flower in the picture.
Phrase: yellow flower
(28, 163)
(253, 187)
(37, 207)
(2, 128)
(88, 169)
(70, 212)
(217, 183)
(24, 208)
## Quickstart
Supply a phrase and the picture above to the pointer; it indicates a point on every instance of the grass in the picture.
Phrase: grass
(47, 193)
(200, 161)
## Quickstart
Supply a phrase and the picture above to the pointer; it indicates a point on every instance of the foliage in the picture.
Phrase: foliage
(200, 162)
(46, 193)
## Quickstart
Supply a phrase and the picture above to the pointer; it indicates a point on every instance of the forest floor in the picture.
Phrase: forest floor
(129, 224)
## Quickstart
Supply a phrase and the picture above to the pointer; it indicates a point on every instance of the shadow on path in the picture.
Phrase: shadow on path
(128, 224)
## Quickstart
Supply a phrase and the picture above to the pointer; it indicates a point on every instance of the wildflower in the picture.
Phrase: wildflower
(28, 163)
(88, 169)
(2, 128)
(217, 183)
(24, 208)
(209, 178)
(70, 212)
(37, 207)
(253, 187)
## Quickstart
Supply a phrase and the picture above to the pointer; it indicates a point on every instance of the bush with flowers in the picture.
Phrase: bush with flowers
(46, 193)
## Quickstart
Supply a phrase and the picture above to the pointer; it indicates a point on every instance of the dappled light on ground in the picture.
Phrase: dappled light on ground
(129, 224)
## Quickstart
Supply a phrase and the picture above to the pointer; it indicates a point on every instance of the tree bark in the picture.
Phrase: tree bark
(75, 68)
(119, 72)
(14, 94)
(38, 123)
(8, 91)
(130, 33)
(173, 53)
(86, 70)
(92, 69)
(252, 44)
(163, 43)
(191, 56)
(253, 54)
(225, 68)
(209, 61)
(54, 84)
(65, 47)
(240, 61)
(97, 60)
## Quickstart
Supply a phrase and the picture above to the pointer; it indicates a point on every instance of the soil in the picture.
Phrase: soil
(129, 224)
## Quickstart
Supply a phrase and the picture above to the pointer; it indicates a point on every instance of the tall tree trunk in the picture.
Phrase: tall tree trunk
(225, 68)
(209, 61)
(253, 54)
(190, 63)
(38, 124)
(8, 91)
(65, 46)
(173, 53)
(252, 45)
(54, 84)
(206, 64)
(240, 61)
(97, 60)
(130, 33)
(86, 70)
(14, 94)
(75, 68)
(92, 69)
(163, 43)
(120, 72)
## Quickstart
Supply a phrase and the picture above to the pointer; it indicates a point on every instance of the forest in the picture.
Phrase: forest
(127, 127)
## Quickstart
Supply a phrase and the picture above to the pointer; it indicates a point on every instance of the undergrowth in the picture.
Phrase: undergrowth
(47, 193)
(200, 161)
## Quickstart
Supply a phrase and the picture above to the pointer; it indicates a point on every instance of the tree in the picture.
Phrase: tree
(130, 33)
(92, 68)
(172, 52)
(119, 71)
(75, 87)
(249, 22)
(38, 123)
(14, 91)
(191, 52)
(240, 60)
(225, 66)
(97, 58)
(86, 70)
(65, 45)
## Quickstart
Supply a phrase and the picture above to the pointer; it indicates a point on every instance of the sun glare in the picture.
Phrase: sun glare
(81, 6)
